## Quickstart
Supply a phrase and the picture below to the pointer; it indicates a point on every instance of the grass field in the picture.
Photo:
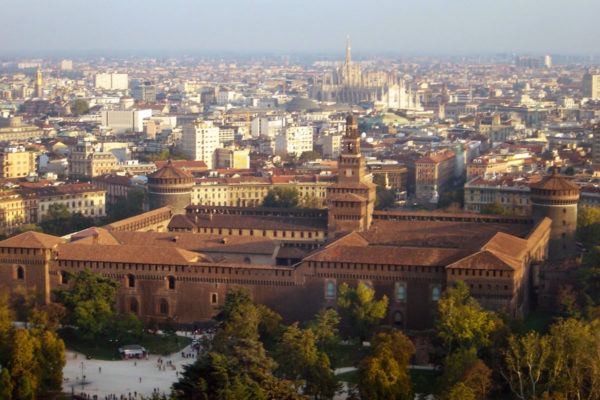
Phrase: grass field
(104, 349)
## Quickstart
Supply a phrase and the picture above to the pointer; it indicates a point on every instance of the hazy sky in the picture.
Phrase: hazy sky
(291, 26)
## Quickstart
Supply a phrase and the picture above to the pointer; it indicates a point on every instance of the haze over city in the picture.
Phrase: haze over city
(292, 26)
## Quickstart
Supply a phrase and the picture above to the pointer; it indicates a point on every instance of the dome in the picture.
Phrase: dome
(298, 104)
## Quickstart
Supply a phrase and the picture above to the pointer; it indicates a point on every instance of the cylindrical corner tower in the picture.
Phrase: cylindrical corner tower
(170, 186)
(556, 197)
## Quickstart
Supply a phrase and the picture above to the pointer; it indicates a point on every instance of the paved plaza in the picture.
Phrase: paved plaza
(123, 377)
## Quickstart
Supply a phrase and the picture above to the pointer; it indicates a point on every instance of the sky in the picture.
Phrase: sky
(300, 26)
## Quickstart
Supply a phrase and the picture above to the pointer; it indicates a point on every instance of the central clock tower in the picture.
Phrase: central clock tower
(351, 200)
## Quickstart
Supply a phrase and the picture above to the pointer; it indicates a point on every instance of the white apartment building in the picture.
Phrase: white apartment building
(121, 120)
(199, 141)
(591, 86)
(112, 81)
(271, 126)
(295, 140)
(66, 65)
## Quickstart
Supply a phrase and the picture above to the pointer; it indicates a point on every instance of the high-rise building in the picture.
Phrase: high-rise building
(199, 140)
(111, 81)
(591, 86)
(547, 61)
(38, 83)
(145, 92)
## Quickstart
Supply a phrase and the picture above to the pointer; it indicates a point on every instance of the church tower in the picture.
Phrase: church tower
(352, 199)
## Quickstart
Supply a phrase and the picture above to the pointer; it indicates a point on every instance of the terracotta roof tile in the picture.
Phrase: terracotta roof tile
(32, 240)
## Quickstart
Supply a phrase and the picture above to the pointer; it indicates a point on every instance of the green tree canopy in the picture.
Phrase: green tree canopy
(282, 197)
(59, 221)
(460, 319)
(362, 311)
(494, 208)
(90, 303)
(384, 373)
(588, 226)
(79, 107)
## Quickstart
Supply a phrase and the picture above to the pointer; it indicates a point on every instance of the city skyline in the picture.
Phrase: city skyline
(264, 26)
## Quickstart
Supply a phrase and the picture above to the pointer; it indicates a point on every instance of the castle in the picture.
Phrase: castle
(180, 263)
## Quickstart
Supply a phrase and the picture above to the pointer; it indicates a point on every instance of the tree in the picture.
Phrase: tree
(282, 197)
(6, 385)
(59, 221)
(461, 320)
(90, 303)
(27, 228)
(236, 366)
(79, 107)
(385, 198)
(127, 206)
(309, 156)
(525, 361)
(24, 368)
(361, 308)
(494, 208)
(588, 226)
(300, 359)
(460, 391)
(384, 373)
(325, 328)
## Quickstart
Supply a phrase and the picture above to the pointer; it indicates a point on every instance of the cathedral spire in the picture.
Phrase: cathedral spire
(348, 58)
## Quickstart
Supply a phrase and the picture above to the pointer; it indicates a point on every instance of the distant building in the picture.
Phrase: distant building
(12, 128)
(591, 86)
(331, 145)
(39, 84)
(434, 175)
(66, 65)
(350, 84)
(512, 193)
(122, 120)
(111, 81)
(199, 140)
(145, 92)
(295, 140)
(16, 162)
(86, 161)
(231, 158)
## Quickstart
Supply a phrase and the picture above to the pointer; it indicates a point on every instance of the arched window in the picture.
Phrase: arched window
(401, 292)
(20, 273)
(130, 281)
(133, 306)
(398, 318)
(330, 289)
(247, 260)
(62, 277)
(164, 307)
(435, 293)
(213, 298)
(171, 282)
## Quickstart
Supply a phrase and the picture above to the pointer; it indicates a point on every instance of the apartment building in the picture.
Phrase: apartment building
(295, 140)
(434, 174)
(250, 191)
(511, 192)
(199, 140)
(16, 162)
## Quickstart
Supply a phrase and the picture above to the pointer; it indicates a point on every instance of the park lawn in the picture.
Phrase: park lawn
(350, 377)
(424, 381)
(107, 350)
(348, 355)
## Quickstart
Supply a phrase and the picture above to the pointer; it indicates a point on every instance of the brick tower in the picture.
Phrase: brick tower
(351, 200)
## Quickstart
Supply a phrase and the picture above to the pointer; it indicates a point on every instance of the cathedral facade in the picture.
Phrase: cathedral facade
(350, 84)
